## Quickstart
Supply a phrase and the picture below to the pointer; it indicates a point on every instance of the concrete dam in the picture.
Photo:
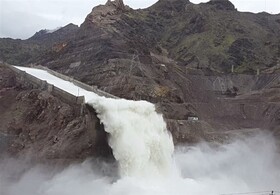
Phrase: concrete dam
(138, 135)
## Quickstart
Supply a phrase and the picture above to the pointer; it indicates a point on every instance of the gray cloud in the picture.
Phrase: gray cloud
(22, 18)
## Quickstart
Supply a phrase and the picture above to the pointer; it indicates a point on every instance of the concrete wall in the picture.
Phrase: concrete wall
(65, 95)
(22, 76)
(78, 83)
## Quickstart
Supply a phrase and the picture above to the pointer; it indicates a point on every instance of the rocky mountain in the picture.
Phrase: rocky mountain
(176, 54)
(51, 37)
(22, 52)
(212, 36)
(152, 54)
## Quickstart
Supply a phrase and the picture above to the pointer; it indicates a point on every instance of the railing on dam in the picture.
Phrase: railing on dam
(78, 83)
(35, 82)
(24, 77)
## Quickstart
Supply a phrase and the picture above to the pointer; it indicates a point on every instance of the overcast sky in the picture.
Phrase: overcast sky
(22, 18)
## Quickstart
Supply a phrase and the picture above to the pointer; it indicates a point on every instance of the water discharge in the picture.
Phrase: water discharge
(138, 136)
(143, 148)
(248, 165)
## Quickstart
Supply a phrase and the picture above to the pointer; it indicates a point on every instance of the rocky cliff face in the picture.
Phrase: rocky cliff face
(35, 124)
(212, 36)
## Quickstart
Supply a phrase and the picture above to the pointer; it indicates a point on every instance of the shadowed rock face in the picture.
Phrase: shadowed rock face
(116, 3)
(222, 4)
(37, 125)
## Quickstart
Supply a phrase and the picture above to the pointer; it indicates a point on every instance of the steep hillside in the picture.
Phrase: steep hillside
(215, 35)
(148, 54)
(21, 52)
(50, 37)
(178, 55)
(42, 126)
(212, 36)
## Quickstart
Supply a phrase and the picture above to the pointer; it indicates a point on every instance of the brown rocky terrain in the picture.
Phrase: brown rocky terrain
(175, 54)
(144, 54)
(21, 52)
(36, 124)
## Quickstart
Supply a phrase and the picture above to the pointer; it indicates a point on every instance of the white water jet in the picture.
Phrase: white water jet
(138, 136)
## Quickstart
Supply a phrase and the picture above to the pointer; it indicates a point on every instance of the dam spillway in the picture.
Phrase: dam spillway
(138, 137)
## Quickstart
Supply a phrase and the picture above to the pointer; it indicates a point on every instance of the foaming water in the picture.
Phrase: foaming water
(247, 165)
(138, 136)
